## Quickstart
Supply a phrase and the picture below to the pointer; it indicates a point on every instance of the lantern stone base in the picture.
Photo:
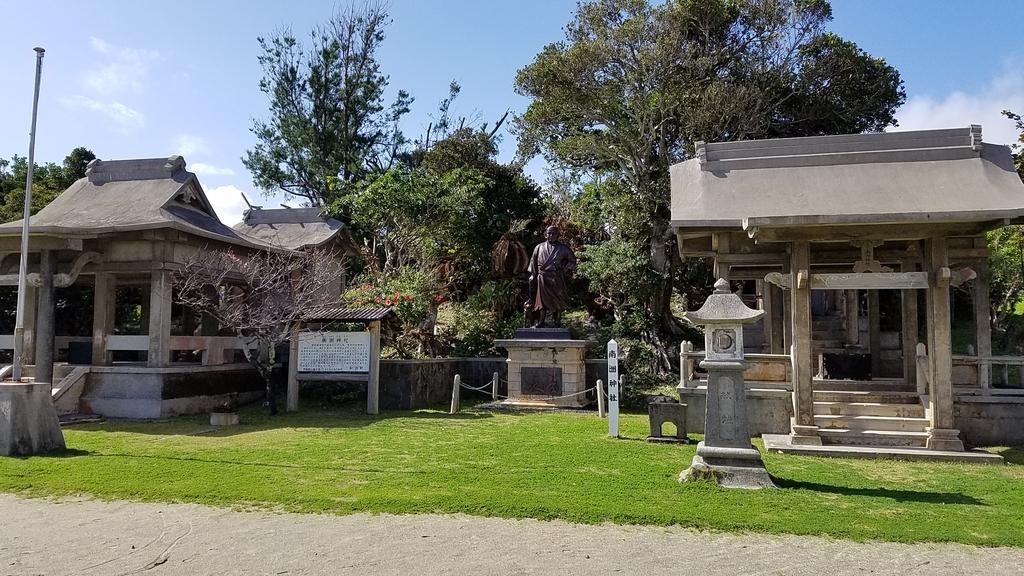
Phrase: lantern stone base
(28, 420)
(728, 467)
(545, 373)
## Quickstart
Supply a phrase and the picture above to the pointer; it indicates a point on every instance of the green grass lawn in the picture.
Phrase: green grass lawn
(516, 465)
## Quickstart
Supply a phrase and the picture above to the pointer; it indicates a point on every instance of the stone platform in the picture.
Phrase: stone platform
(28, 420)
(545, 372)
(780, 443)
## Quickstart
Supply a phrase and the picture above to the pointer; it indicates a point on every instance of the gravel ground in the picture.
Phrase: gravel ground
(86, 537)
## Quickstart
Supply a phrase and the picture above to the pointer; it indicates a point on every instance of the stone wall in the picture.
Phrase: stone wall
(415, 384)
(990, 420)
(768, 410)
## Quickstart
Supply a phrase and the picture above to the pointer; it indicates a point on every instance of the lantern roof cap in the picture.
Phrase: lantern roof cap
(723, 307)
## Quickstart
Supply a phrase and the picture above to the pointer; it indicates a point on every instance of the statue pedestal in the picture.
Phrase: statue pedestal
(28, 419)
(545, 373)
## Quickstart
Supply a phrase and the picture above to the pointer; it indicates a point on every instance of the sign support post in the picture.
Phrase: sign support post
(614, 388)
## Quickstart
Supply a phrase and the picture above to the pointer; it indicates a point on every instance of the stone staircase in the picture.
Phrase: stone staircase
(869, 413)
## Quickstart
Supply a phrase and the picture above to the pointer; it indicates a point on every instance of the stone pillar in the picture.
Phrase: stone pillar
(804, 430)
(44, 318)
(909, 335)
(373, 382)
(787, 313)
(159, 319)
(875, 333)
(29, 350)
(103, 308)
(852, 317)
(764, 298)
(941, 435)
(983, 322)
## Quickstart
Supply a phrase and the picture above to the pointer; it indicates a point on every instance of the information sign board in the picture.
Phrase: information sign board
(334, 352)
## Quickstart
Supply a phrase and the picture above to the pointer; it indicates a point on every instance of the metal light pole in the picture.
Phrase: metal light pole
(19, 322)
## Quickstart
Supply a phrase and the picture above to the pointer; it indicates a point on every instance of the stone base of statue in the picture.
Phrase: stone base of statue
(728, 467)
(28, 420)
(545, 372)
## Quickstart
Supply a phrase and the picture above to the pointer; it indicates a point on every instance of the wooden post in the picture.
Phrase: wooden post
(922, 368)
(852, 317)
(29, 352)
(600, 398)
(614, 388)
(373, 382)
(159, 319)
(455, 395)
(292, 404)
(942, 435)
(103, 308)
(983, 324)
(804, 430)
(875, 333)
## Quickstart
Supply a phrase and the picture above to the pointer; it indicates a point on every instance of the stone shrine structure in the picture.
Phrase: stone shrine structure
(111, 241)
(726, 455)
(816, 232)
(545, 366)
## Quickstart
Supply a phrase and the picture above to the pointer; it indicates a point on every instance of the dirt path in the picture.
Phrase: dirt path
(86, 538)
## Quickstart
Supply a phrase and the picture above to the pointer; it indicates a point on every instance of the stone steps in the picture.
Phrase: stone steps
(849, 437)
(861, 396)
(868, 409)
(877, 385)
(871, 423)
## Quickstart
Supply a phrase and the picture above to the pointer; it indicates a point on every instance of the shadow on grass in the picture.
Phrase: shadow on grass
(65, 453)
(1012, 455)
(897, 495)
(255, 419)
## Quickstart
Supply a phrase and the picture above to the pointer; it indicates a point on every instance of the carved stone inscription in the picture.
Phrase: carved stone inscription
(541, 381)
(726, 409)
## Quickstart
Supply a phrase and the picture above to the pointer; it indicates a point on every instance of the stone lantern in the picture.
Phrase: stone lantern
(726, 455)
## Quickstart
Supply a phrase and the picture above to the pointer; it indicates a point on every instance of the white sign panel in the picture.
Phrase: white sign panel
(614, 388)
(334, 352)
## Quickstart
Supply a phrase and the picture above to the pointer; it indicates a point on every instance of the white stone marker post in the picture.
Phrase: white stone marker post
(614, 388)
(726, 455)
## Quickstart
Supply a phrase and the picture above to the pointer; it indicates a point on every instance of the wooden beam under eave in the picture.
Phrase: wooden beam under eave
(37, 243)
(904, 231)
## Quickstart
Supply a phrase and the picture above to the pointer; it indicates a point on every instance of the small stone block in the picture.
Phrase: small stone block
(662, 412)
(224, 418)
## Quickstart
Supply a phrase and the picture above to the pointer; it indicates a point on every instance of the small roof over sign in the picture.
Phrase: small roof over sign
(342, 313)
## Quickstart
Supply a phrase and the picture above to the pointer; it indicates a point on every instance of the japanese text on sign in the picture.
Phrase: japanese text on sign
(334, 352)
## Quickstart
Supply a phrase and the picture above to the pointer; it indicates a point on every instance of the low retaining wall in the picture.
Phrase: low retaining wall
(990, 420)
(141, 392)
(415, 384)
(769, 410)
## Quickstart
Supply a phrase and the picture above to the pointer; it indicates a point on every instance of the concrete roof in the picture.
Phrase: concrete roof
(129, 195)
(919, 176)
(290, 228)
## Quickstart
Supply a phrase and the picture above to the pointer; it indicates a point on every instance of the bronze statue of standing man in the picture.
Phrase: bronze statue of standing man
(552, 268)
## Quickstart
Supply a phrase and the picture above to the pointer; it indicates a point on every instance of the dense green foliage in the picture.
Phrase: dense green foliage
(1006, 286)
(515, 465)
(328, 124)
(48, 180)
(636, 84)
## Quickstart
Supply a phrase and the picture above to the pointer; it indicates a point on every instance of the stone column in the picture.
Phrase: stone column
(941, 435)
(103, 307)
(982, 322)
(852, 317)
(804, 430)
(875, 333)
(292, 402)
(159, 319)
(765, 294)
(909, 335)
(373, 382)
(44, 318)
(29, 351)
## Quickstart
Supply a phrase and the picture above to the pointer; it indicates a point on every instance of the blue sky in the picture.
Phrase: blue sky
(141, 79)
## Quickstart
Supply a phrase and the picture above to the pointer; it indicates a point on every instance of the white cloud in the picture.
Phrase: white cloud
(209, 170)
(227, 203)
(189, 144)
(962, 108)
(126, 118)
(120, 70)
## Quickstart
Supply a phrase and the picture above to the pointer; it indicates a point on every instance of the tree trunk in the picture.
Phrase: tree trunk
(665, 323)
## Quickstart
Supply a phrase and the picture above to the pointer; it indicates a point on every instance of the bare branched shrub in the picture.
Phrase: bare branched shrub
(261, 296)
